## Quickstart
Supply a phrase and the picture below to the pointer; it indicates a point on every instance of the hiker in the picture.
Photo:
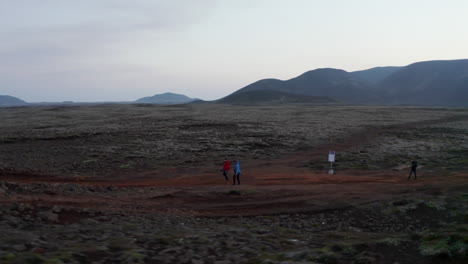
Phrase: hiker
(414, 165)
(226, 168)
(237, 172)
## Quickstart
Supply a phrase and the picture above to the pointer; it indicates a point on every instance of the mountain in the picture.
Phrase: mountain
(272, 96)
(427, 83)
(166, 98)
(6, 100)
(330, 83)
(376, 74)
(421, 83)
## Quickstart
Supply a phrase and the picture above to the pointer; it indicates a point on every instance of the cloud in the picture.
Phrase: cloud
(103, 13)
(73, 25)
(62, 42)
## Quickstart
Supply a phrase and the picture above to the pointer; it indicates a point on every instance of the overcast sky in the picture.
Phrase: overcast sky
(119, 50)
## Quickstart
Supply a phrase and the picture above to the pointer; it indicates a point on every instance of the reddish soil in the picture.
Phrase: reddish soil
(268, 187)
(274, 190)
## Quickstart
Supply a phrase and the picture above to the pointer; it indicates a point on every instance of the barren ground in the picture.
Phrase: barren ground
(141, 184)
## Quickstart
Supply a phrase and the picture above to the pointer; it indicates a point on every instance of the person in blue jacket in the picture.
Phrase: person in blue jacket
(237, 172)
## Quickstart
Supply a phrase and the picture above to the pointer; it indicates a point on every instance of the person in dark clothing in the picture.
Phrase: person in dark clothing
(237, 172)
(226, 167)
(414, 165)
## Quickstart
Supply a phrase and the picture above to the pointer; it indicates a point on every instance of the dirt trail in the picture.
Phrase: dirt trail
(285, 165)
(277, 186)
(275, 193)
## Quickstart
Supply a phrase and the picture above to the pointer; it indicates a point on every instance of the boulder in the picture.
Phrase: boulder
(48, 216)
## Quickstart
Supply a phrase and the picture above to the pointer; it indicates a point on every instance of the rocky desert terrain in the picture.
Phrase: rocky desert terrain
(142, 184)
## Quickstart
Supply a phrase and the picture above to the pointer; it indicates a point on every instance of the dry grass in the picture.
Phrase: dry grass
(104, 139)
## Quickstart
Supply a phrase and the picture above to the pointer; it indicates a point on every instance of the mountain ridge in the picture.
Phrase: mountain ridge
(443, 82)
(272, 96)
(166, 98)
(376, 74)
(438, 82)
(7, 100)
(323, 82)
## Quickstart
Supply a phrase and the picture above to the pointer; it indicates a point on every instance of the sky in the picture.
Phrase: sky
(122, 50)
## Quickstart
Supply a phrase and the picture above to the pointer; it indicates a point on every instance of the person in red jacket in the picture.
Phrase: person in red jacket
(226, 168)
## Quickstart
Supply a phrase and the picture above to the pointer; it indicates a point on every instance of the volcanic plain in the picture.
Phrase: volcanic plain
(142, 184)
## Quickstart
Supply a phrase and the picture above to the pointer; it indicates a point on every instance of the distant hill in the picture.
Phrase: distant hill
(376, 74)
(166, 98)
(422, 83)
(427, 83)
(6, 100)
(271, 96)
(328, 83)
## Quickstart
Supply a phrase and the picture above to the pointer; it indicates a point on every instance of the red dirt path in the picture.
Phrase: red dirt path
(267, 187)
(270, 192)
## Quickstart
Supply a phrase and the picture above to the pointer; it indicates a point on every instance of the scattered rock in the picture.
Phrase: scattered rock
(38, 250)
(13, 221)
(297, 255)
(196, 261)
(48, 216)
(222, 262)
(56, 209)
(170, 251)
(19, 247)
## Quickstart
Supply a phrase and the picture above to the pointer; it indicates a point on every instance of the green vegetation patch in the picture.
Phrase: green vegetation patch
(441, 245)
(25, 257)
(233, 192)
